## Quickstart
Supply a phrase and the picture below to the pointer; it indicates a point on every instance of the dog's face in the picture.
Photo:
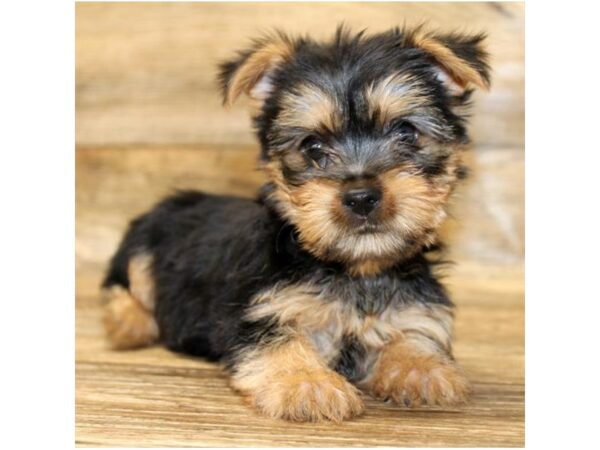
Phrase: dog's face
(361, 136)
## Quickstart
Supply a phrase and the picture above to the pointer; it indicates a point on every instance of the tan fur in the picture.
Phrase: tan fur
(420, 203)
(396, 96)
(409, 372)
(126, 322)
(369, 267)
(314, 208)
(309, 208)
(309, 107)
(412, 209)
(458, 69)
(289, 380)
(302, 308)
(257, 65)
(411, 345)
(141, 283)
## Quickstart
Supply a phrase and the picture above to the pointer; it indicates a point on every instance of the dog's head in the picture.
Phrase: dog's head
(362, 135)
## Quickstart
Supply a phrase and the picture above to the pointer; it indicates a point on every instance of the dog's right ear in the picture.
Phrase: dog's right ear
(251, 71)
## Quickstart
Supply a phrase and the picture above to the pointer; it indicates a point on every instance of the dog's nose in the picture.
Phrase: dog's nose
(362, 201)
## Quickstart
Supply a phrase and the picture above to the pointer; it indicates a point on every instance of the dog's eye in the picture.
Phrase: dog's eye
(313, 150)
(405, 132)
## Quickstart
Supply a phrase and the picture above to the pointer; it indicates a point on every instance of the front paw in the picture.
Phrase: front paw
(309, 397)
(421, 379)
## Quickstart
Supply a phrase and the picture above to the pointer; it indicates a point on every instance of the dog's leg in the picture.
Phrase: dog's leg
(417, 367)
(288, 379)
(128, 320)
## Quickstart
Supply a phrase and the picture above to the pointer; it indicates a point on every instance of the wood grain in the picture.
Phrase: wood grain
(145, 72)
(149, 120)
(152, 397)
(155, 398)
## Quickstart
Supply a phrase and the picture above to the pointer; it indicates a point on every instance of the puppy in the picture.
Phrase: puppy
(320, 289)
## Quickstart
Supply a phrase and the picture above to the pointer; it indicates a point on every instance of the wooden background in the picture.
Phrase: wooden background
(148, 120)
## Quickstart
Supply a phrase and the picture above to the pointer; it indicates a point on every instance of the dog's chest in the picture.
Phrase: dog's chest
(348, 338)
(343, 318)
(338, 325)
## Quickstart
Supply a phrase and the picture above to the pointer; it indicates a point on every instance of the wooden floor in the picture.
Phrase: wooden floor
(155, 398)
(148, 122)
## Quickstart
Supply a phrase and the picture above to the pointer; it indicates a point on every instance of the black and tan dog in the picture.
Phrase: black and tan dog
(320, 288)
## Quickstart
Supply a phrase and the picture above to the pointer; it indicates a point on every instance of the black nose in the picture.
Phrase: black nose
(362, 201)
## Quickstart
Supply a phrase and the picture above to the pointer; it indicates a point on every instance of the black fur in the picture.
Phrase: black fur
(351, 357)
(213, 254)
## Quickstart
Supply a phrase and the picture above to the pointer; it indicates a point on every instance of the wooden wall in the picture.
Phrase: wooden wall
(145, 75)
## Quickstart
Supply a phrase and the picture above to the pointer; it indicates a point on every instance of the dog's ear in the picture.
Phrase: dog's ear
(461, 59)
(250, 72)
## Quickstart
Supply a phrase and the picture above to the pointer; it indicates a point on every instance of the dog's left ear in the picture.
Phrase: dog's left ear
(461, 59)
(251, 71)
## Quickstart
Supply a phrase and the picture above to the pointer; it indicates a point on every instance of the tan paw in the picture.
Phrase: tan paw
(309, 397)
(418, 380)
(128, 325)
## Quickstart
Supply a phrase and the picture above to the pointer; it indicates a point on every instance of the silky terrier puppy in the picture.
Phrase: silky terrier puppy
(322, 287)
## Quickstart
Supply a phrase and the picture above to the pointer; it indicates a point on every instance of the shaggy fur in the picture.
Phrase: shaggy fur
(321, 288)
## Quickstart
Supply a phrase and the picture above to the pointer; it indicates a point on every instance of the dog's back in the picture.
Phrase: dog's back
(192, 258)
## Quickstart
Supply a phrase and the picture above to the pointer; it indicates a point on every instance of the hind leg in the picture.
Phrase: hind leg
(129, 320)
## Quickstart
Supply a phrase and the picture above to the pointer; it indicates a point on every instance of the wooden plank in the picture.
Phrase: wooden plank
(152, 397)
(145, 72)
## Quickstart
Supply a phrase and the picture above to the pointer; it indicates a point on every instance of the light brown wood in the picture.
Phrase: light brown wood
(152, 397)
(146, 71)
(149, 120)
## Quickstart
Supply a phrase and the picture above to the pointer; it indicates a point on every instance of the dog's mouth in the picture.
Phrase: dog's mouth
(369, 227)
